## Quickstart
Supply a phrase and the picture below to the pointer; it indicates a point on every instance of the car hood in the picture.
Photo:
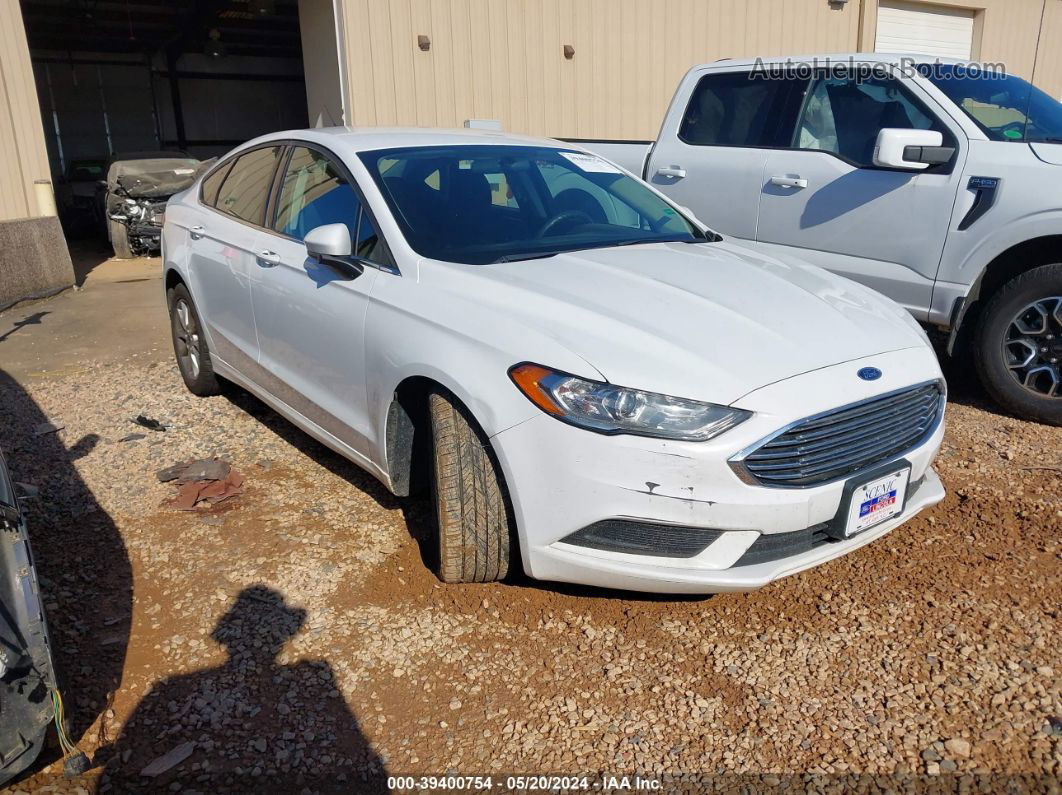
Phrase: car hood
(707, 321)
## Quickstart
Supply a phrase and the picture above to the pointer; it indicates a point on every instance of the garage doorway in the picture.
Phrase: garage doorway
(907, 27)
(117, 77)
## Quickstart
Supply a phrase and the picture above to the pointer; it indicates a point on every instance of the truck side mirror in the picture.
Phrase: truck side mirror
(911, 150)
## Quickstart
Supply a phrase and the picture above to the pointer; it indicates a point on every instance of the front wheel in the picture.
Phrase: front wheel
(1019, 345)
(469, 498)
(119, 234)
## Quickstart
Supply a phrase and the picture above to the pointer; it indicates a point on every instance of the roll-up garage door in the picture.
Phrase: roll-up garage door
(924, 29)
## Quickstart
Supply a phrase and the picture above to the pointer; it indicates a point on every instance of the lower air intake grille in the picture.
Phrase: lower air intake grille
(775, 546)
(831, 446)
(643, 538)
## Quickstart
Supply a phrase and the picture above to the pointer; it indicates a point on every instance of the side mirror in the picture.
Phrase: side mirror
(912, 150)
(330, 245)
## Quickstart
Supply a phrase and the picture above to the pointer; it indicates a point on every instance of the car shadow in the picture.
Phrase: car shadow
(960, 373)
(307, 445)
(249, 724)
(82, 564)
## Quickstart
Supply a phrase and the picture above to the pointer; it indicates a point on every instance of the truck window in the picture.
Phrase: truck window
(742, 109)
(1005, 107)
(845, 115)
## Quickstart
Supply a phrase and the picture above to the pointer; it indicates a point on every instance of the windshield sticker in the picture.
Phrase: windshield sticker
(590, 163)
(184, 171)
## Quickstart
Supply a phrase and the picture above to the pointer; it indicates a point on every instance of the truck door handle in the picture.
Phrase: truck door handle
(676, 172)
(196, 232)
(268, 259)
(789, 182)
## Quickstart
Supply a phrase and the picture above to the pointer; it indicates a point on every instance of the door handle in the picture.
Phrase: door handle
(676, 172)
(196, 232)
(268, 259)
(789, 182)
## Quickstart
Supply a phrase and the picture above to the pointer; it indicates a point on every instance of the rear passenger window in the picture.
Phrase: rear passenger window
(245, 191)
(742, 109)
(209, 190)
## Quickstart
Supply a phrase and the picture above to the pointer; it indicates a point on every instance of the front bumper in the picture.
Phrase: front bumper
(562, 479)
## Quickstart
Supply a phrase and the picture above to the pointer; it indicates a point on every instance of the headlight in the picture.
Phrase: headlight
(606, 408)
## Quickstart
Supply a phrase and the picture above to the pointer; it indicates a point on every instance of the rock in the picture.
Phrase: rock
(958, 747)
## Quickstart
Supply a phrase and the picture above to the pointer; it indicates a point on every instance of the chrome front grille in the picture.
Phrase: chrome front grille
(833, 445)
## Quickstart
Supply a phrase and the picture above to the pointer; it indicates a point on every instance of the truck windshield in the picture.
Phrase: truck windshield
(496, 203)
(1005, 107)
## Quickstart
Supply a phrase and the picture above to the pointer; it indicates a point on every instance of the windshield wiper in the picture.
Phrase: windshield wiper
(1047, 139)
(643, 240)
(521, 257)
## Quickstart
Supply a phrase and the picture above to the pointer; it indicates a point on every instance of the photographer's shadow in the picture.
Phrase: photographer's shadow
(252, 723)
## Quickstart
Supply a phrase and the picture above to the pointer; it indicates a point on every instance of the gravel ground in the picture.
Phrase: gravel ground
(292, 637)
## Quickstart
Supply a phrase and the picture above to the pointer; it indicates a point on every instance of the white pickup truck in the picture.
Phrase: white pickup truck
(932, 182)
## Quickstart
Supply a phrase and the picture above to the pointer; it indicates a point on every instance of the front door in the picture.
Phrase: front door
(827, 202)
(311, 317)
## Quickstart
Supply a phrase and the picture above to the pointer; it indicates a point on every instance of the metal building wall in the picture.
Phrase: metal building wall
(503, 59)
(23, 158)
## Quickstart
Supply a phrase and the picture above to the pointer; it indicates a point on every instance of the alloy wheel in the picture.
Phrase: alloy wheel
(188, 350)
(1032, 347)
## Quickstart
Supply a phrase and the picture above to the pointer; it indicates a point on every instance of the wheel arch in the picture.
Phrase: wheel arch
(407, 430)
(1007, 265)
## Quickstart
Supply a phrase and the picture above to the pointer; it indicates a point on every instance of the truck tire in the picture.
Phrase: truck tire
(189, 343)
(119, 234)
(1018, 345)
(469, 498)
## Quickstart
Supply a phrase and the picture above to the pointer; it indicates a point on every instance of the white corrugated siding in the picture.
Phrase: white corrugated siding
(930, 30)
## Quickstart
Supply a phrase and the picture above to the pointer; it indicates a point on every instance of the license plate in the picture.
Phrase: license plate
(876, 501)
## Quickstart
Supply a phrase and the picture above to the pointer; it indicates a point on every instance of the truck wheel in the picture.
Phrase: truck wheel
(119, 234)
(473, 520)
(189, 344)
(1019, 345)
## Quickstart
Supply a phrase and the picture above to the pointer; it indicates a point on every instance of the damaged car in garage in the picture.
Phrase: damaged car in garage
(134, 196)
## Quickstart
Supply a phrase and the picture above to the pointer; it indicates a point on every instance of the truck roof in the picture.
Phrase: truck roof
(824, 59)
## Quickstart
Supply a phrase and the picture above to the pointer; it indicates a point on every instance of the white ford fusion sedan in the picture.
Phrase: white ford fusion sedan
(595, 387)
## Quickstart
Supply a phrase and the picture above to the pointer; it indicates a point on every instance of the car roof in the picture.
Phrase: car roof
(366, 139)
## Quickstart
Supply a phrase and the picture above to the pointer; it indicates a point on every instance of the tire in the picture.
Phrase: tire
(189, 344)
(119, 234)
(996, 362)
(473, 522)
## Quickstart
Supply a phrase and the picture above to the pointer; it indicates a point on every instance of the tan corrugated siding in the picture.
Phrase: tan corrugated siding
(23, 157)
(503, 59)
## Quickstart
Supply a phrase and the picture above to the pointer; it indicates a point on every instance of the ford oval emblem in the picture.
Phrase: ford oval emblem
(869, 373)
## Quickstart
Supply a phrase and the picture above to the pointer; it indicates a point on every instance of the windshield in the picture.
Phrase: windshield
(1005, 107)
(480, 204)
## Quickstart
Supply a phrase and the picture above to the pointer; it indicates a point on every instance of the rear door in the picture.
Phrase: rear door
(310, 316)
(825, 200)
(223, 257)
(712, 151)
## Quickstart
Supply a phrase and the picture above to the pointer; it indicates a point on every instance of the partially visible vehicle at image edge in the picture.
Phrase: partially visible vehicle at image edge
(593, 386)
(936, 182)
(27, 673)
(133, 198)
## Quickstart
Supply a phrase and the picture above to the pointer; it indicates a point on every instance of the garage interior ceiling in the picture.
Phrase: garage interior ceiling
(152, 26)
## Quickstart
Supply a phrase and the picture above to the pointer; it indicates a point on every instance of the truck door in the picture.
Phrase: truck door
(824, 199)
(714, 143)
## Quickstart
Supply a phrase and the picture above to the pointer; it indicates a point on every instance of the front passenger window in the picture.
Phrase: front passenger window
(314, 193)
(844, 116)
